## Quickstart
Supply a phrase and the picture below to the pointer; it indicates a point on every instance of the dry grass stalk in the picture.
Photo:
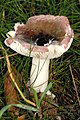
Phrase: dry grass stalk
(8, 56)
(12, 78)
(74, 84)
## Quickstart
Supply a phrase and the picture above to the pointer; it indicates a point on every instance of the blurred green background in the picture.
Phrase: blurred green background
(13, 11)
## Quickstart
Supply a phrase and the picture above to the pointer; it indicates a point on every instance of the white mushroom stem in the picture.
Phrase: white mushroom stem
(39, 75)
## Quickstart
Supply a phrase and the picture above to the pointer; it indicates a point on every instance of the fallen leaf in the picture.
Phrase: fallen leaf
(10, 91)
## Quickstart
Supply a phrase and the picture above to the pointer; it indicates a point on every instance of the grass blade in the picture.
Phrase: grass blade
(36, 98)
(43, 94)
(4, 109)
(26, 107)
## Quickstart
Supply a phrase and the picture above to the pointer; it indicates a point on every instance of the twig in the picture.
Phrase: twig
(74, 84)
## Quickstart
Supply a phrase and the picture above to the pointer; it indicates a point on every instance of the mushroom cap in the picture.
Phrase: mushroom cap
(43, 36)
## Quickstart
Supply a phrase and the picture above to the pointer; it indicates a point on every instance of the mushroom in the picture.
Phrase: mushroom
(43, 37)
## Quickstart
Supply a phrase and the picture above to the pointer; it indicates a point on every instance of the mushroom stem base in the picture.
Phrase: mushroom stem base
(39, 74)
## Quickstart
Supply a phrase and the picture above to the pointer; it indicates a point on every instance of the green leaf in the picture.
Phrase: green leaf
(26, 107)
(43, 94)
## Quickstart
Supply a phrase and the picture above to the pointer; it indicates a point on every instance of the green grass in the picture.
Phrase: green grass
(12, 11)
